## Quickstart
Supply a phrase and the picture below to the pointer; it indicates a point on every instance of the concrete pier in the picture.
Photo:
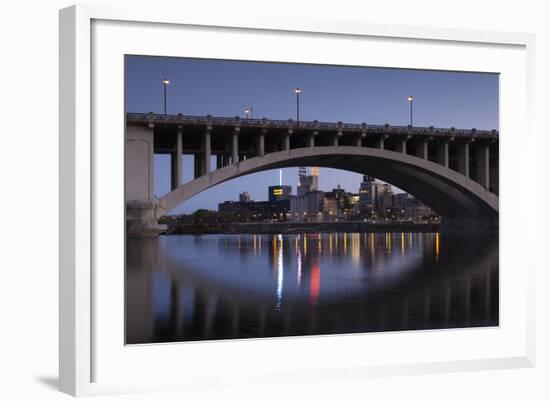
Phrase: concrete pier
(443, 153)
(463, 158)
(422, 149)
(235, 145)
(142, 210)
(482, 157)
(176, 162)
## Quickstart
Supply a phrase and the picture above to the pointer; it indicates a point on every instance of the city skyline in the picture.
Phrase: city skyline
(328, 93)
(374, 200)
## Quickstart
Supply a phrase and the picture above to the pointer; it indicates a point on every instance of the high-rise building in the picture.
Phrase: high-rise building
(374, 197)
(330, 207)
(314, 173)
(340, 194)
(400, 201)
(380, 190)
(244, 197)
(297, 208)
(307, 182)
(386, 203)
(366, 200)
(314, 205)
(417, 211)
(351, 206)
(307, 205)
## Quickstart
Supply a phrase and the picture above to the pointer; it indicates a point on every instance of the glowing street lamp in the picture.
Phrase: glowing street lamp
(411, 99)
(165, 83)
(297, 91)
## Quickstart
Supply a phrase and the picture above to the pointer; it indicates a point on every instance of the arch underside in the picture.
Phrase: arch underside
(447, 192)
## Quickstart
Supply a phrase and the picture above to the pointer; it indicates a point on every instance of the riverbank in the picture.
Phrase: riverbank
(295, 228)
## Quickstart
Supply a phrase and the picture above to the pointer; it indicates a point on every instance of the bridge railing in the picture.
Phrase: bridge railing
(310, 125)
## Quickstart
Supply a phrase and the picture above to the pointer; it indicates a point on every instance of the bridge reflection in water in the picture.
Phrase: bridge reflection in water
(183, 288)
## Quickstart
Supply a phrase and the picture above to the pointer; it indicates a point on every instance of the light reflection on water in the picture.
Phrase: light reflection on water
(238, 286)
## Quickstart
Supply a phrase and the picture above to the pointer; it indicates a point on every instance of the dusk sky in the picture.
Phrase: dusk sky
(329, 93)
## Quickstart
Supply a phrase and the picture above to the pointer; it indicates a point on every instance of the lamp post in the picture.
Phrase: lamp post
(297, 91)
(411, 99)
(248, 112)
(165, 83)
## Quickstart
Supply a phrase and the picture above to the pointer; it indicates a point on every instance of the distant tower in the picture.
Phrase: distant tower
(307, 183)
(245, 197)
(367, 178)
(314, 173)
(367, 196)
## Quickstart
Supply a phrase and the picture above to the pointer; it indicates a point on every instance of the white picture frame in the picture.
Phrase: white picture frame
(84, 348)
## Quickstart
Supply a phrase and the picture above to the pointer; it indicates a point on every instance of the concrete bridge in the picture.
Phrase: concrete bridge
(454, 171)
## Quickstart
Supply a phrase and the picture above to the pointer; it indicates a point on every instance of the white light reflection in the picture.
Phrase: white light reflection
(299, 261)
(279, 272)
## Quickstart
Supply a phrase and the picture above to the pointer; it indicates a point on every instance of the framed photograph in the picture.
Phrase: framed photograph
(244, 200)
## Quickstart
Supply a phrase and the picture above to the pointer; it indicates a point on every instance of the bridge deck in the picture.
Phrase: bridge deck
(189, 120)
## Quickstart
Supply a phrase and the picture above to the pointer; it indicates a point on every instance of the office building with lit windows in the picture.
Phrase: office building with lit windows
(279, 193)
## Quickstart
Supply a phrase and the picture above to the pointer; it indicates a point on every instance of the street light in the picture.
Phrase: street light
(297, 91)
(249, 111)
(165, 83)
(411, 99)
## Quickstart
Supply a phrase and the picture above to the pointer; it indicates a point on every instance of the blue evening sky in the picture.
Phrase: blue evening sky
(329, 93)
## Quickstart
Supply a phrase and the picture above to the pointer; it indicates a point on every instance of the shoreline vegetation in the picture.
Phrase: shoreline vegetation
(213, 222)
(297, 227)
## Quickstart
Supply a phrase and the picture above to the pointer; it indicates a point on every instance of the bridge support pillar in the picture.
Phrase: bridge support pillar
(381, 140)
(286, 140)
(261, 142)
(493, 176)
(422, 149)
(141, 207)
(363, 135)
(463, 158)
(401, 145)
(443, 153)
(176, 162)
(235, 145)
(482, 167)
(311, 140)
(336, 137)
(142, 218)
(207, 150)
(139, 146)
(198, 164)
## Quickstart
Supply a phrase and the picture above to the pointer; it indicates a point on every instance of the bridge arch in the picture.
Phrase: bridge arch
(461, 201)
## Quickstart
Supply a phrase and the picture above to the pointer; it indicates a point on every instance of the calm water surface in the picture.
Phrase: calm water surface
(181, 288)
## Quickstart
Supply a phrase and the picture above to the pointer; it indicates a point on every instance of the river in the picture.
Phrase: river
(182, 288)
